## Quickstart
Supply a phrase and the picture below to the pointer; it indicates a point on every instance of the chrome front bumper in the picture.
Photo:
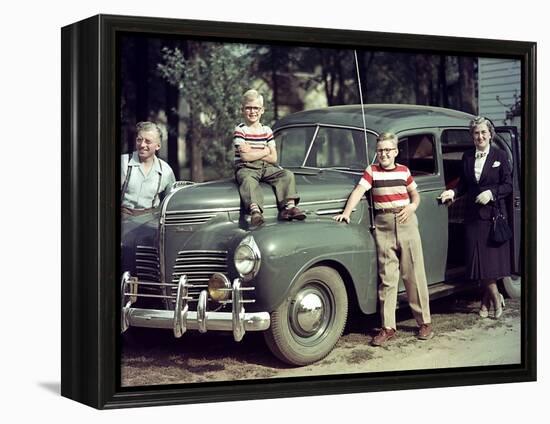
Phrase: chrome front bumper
(181, 319)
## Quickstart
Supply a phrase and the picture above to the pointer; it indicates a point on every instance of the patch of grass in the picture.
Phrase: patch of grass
(264, 373)
(448, 323)
(248, 372)
(352, 339)
(327, 361)
(358, 356)
(206, 367)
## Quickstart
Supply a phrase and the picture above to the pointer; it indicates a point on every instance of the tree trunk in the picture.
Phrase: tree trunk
(172, 97)
(195, 162)
(467, 97)
(275, 82)
(141, 63)
(442, 73)
(363, 66)
(423, 68)
(325, 76)
(341, 78)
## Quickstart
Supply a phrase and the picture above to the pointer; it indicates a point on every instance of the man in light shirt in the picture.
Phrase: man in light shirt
(144, 176)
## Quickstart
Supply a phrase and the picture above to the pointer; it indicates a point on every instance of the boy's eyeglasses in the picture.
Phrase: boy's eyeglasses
(386, 151)
(252, 108)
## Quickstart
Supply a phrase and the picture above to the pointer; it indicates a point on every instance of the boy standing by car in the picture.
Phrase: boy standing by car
(256, 161)
(398, 243)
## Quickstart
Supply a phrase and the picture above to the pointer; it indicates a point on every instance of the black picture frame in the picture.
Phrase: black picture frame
(90, 213)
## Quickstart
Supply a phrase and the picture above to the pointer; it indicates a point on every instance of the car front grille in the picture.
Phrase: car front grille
(147, 264)
(188, 218)
(198, 266)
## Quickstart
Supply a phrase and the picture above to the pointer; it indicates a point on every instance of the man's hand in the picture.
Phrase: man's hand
(341, 218)
(406, 213)
(484, 197)
(446, 196)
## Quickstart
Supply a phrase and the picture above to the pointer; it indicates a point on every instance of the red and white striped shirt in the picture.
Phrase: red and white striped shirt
(390, 187)
(257, 140)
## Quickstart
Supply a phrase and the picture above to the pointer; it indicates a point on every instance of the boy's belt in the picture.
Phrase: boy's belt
(388, 210)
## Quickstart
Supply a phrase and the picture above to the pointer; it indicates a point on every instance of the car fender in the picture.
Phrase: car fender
(290, 248)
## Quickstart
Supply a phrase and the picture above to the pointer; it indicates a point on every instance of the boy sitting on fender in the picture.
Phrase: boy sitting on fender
(256, 161)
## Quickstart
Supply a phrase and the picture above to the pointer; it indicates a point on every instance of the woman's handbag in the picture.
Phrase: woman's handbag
(500, 230)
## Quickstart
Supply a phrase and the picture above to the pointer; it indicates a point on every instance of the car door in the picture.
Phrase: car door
(511, 141)
(419, 151)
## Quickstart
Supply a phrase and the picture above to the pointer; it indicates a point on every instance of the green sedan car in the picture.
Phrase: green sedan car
(197, 264)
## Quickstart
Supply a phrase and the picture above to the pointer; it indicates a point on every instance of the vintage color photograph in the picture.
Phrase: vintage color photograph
(310, 210)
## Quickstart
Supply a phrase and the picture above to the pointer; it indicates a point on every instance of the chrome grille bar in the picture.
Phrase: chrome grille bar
(147, 269)
(147, 263)
(198, 266)
(188, 218)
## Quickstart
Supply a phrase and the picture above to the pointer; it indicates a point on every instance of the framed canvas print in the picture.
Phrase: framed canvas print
(255, 211)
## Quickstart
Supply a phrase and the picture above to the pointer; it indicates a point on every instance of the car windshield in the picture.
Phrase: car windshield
(333, 147)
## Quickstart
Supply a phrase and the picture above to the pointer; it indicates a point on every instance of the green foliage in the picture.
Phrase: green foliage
(211, 78)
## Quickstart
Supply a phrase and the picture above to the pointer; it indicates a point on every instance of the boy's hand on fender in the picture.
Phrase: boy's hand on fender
(341, 217)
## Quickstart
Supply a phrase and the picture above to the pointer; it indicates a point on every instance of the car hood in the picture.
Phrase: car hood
(312, 186)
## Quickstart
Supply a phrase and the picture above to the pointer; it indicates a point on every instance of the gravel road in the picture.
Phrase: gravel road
(462, 339)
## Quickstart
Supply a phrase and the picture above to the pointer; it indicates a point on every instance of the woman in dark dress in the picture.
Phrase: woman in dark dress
(486, 179)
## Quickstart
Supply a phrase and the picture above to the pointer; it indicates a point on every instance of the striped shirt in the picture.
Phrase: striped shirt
(256, 139)
(390, 188)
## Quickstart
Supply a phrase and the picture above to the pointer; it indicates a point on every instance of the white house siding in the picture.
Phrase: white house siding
(502, 78)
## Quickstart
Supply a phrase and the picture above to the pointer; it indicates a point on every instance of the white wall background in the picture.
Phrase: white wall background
(498, 78)
(30, 210)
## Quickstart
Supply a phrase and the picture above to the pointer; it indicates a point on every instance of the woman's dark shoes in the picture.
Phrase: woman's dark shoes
(289, 214)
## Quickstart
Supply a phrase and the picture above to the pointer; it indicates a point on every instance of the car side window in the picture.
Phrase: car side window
(339, 148)
(292, 145)
(417, 152)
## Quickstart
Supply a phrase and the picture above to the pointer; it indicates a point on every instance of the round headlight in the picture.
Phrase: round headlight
(219, 287)
(244, 259)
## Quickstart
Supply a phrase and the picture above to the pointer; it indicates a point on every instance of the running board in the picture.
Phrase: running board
(438, 290)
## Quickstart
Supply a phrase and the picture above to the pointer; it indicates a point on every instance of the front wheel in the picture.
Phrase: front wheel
(307, 325)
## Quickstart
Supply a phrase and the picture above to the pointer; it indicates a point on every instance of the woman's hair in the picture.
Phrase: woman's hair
(387, 136)
(149, 126)
(480, 120)
(252, 95)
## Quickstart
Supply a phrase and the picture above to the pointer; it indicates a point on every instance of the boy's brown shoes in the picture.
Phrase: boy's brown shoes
(383, 336)
(292, 213)
(256, 218)
(425, 332)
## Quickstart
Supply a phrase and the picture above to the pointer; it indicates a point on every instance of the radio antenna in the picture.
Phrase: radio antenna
(371, 209)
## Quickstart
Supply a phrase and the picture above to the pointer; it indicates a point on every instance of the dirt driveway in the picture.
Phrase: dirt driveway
(462, 339)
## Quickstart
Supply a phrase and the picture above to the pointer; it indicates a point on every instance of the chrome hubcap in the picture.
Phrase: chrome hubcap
(309, 314)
